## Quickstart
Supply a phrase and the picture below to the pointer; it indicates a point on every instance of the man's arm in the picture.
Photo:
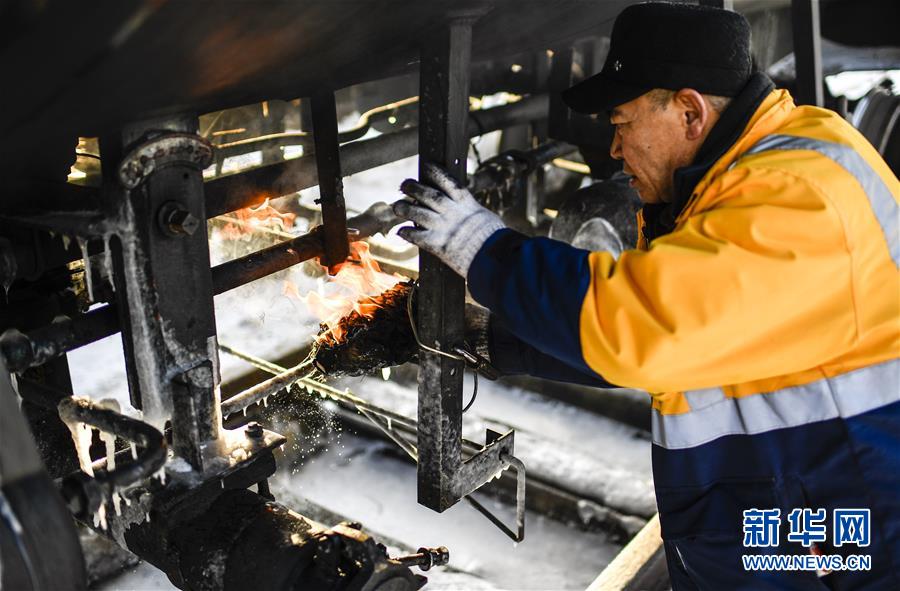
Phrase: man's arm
(743, 292)
(511, 356)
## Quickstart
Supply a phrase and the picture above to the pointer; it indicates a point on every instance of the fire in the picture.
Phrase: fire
(242, 224)
(353, 288)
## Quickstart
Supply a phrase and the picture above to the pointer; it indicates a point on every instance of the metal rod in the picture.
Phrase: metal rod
(807, 52)
(313, 385)
(265, 389)
(331, 186)
(267, 261)
(253, 187)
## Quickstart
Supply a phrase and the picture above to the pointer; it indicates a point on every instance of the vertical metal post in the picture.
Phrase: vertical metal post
(163, 282)
(331, 186)
(807, 52)
(443, 111)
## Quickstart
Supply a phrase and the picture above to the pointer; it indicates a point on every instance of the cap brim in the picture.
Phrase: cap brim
(599, 94)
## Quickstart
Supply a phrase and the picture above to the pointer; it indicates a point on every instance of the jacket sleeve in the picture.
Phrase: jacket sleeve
(748, 289)
(511, 355)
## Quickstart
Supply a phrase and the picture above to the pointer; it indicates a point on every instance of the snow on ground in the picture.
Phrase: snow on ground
(587, 454)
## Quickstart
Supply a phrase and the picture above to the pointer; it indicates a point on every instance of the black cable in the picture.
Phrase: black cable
(474, 394)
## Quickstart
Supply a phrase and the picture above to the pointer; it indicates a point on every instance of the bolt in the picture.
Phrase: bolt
(175, 220)
(254, 430)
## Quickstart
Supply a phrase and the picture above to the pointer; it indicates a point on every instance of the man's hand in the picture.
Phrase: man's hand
(450, 224)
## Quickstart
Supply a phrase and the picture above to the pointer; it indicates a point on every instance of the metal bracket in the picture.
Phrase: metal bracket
(518, 535)
(167, 149)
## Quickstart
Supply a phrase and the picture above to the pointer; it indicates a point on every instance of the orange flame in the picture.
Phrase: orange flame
(351, 289)
(251, 219)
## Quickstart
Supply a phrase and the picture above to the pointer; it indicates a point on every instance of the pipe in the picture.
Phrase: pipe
(261, 263)
(150, 460)
(85, 494)
(49, 342)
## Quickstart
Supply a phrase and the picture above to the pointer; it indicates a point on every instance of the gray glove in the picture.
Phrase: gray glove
(450, 224)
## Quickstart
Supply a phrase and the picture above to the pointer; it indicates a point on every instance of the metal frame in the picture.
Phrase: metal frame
(443, 478)
(162, 283)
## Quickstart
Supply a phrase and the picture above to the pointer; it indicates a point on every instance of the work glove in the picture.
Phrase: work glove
(450, 224)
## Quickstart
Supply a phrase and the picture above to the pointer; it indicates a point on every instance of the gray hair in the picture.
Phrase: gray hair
(660, 97)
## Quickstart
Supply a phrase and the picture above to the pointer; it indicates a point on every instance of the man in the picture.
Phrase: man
(761, 307)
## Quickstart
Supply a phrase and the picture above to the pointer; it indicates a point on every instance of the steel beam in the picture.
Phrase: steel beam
(443, 106)
(807, 52)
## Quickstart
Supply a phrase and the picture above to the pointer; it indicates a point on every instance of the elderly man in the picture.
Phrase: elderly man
(761, 307)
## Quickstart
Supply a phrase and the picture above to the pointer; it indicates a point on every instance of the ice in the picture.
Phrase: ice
(100, 516)
(88, 279)
(107, 261)
(134, 451)
(117, 503)
(109, 441)
(386, 373)
(81, 436)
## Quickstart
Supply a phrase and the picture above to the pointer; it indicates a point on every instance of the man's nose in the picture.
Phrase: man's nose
(615, 149)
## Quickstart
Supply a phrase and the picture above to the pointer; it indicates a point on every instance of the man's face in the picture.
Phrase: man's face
(651, 141)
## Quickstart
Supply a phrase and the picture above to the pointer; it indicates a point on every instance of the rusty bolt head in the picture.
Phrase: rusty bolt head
(254, 430)
(175, 220)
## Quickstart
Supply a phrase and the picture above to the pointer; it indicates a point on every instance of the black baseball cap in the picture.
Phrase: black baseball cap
(671, 46)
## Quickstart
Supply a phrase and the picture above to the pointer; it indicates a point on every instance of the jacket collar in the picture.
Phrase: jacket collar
(659, 218)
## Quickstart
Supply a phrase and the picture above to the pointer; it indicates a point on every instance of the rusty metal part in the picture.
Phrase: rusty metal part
(331, 184)
(425, 558)
(162, 151)
(175, 220)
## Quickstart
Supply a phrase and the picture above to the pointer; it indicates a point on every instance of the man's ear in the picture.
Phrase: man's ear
(694, 111)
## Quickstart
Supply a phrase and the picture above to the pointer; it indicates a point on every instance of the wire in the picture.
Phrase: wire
(474, 394)
(415, 331)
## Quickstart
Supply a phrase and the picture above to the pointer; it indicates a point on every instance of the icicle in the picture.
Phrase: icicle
(66, 241)
(148, 517)
(81, 436)
(134, 451)
(161, 474)
(386, 373)
(222, 482)
(245, 411)
(389, 423)
(107, 262)
(127, 500)
(88, 279)
(266, 401)
(100, 516)
(110, 441)
(117, 503)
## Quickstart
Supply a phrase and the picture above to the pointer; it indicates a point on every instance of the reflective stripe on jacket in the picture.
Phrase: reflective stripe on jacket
(767, 325)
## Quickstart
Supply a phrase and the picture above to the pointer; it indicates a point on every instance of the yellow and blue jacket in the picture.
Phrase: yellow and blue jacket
(766, 325)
